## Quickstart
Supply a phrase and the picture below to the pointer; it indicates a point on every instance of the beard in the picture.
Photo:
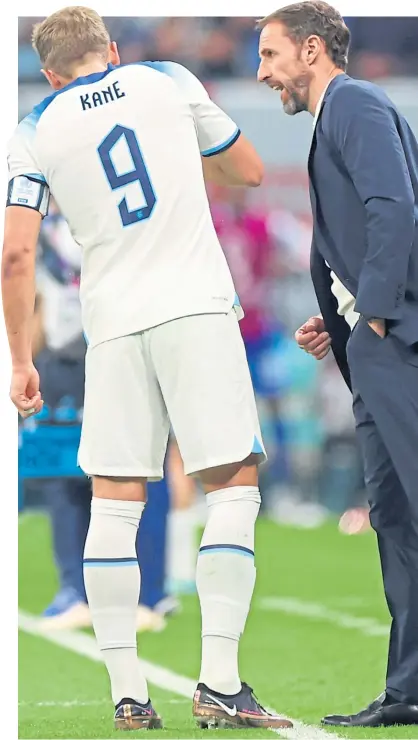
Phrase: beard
(294, 103)
(296, 96)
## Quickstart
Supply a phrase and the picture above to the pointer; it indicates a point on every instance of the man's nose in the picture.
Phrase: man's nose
(262, 74)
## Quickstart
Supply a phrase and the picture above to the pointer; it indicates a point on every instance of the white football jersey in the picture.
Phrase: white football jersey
(120, 152)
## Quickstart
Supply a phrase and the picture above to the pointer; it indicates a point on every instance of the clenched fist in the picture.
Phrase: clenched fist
(313, 338)
(355, 521)
(24, 390)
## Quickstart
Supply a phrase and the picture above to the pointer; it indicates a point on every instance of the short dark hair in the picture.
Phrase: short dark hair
(314, 17)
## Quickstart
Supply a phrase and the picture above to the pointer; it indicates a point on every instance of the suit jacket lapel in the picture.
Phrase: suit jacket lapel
(321, 276)
(338, 80)
(312, 193)
(312, 149)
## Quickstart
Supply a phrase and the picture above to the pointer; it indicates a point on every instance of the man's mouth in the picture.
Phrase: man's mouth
(284, 93)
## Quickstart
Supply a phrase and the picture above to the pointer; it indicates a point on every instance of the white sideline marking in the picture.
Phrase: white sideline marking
(73, 703)
(78, 703)
(83, 644)
(345, 602)
(366, 625)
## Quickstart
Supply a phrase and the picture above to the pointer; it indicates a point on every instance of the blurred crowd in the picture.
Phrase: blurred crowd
(219, 48)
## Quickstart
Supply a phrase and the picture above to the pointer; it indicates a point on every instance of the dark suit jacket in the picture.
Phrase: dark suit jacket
(363, 181)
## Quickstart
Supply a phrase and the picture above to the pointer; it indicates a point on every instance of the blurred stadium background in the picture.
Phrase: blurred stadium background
(308, 580)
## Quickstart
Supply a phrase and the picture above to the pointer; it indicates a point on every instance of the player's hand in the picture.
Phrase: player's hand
(379, 327)
(24, 390)
(355, 521)
(313, 338)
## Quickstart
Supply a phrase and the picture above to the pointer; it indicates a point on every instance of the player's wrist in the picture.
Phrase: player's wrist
(21, 363)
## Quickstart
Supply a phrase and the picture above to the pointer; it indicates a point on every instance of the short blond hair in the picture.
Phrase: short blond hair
(67, 36)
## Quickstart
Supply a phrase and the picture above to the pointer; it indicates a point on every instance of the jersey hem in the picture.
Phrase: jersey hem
(137, 329)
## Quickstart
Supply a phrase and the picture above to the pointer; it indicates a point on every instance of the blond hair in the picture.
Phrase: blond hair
(65, 38)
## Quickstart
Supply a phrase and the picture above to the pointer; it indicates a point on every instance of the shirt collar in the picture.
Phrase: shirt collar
(319, 105)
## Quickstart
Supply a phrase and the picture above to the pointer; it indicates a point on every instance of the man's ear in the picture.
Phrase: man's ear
(54, 80)
(114, 57)
(311, 48)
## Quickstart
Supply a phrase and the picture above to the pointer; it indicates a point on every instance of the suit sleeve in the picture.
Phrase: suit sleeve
(365, 135)
(216, 131)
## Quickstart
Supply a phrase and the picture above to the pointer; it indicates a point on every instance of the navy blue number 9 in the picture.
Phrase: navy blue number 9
(138, 174)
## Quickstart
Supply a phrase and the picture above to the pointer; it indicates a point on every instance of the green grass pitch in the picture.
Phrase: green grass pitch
(303, 666)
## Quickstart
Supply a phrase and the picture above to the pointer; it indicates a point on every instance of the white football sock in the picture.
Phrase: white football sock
(181, 545)
(225, 581)
(112, 580)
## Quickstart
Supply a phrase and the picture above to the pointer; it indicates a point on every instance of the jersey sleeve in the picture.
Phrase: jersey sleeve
(27, 185)
(216, 131)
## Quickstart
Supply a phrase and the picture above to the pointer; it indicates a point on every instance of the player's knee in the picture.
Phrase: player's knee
(243, 473)
(120, 489)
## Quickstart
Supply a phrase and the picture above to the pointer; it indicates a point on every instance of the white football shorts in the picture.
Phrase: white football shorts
(191, 372)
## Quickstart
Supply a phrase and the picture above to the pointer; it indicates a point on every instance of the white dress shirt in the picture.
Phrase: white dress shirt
(344, 298)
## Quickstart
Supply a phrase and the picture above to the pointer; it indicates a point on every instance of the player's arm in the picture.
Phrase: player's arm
(228, 157)
(18, 280)
(236, 166)
(363, 131)
(27, 203)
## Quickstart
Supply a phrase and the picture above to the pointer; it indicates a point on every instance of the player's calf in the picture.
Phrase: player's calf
(112, 580)
(225, 582)
(225, 574)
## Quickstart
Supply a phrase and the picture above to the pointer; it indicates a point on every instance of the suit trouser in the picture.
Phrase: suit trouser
(384, 376)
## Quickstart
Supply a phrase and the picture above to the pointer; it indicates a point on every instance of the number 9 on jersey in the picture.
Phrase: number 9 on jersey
(138, 174)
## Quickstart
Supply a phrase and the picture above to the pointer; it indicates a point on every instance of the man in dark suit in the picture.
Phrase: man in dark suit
(363, 170)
